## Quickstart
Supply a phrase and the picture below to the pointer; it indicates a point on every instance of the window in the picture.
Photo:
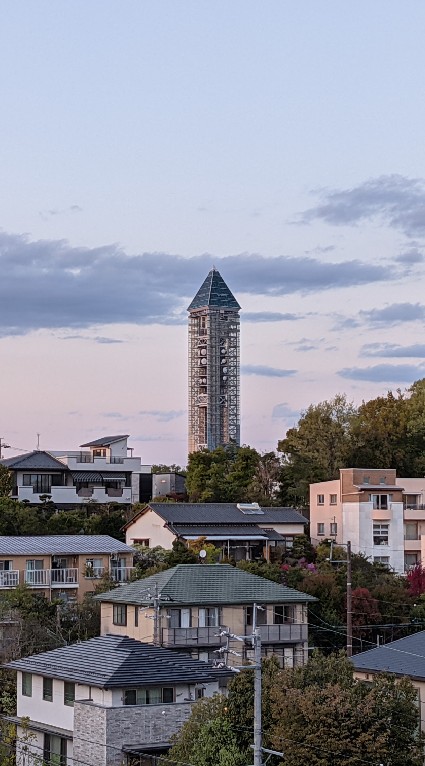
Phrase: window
(42, 483)
(48, 689)
(152, 696)
(411, 531)
(333, 499)
(333, 528)
(283, 613)
(366, 479)
(6, 566)
(261, 615)
(99, 453)
(380, 502)
(93, 568)
(26, 685)
(119, 616)
(320, 499)
(54, 750)
(382, 560)
(209, 617)
(320, 528)
(68, 693)
(382, 479)
(380, 534)
(411, 560)
(142, 541)
(180, 618)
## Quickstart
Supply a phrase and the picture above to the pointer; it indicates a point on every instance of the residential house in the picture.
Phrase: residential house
(63, 566)
(106, 700)
(381, 514)
(103, 473)
(190, 606)
(169, 485)
(240, 530)
(402, 658)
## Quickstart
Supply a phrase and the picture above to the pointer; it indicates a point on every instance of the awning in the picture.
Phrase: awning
(111, 476)
(83, 477)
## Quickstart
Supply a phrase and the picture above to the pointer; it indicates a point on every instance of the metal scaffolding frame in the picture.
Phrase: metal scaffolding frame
(214, 377)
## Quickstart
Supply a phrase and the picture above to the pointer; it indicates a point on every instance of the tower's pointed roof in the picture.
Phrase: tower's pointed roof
(215, 293)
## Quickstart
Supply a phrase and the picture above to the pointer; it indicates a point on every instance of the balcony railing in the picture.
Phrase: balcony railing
(121, 574)
(9, 579)
(272, 634)
(94, 573)
(413, 507)
(42, 578)
(191, 637)
(64, 577)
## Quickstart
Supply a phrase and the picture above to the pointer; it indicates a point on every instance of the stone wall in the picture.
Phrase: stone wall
(100, 732)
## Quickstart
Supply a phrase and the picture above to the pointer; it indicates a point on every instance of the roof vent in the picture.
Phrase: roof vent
(249, 508)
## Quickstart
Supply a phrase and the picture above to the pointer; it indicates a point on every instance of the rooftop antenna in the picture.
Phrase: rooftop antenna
(38, 442)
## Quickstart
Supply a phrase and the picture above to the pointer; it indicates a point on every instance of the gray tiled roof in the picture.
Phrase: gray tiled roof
(118, 661)
(205, 584)
(214, 293)
(250, 530)
(223, 513)
(61, 544)
(405, 657)
(36, 460)
(105, 441)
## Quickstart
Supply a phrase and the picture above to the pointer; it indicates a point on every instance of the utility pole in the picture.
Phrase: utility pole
(3, 445)
(349, 604)
(258, 737)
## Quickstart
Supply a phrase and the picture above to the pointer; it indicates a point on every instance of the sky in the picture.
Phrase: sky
(143, 142)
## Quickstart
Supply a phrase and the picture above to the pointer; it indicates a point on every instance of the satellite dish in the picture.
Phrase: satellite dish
(202, 554)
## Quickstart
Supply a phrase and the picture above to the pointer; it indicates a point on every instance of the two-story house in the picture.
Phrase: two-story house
(190, 606)
(63, 566)
(101, 471)
(239, 530)
(108, 701)
(381, 514)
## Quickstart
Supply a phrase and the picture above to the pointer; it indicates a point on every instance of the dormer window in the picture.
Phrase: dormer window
(250, 509)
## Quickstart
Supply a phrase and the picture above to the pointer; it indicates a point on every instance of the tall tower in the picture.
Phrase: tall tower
(214, 374)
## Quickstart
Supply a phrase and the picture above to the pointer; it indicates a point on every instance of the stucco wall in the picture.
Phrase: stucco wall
(149, 526)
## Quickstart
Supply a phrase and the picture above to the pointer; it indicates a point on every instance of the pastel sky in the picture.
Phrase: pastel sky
(142, 142)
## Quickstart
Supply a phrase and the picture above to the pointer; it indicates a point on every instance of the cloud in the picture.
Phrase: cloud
(410, 257)
(113, 415)
(162, 416)
(269, 372)
(394, 199)
(268, 316)
(393, 350)
(384, 373)
(46, 214)
(97, 339)
(50, 285)
(283, 410)
(394, 314)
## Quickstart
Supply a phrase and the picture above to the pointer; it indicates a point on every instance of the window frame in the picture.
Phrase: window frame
(320, 499)
(320, 529)
(333, 528)
(68, 693)
(119, 615)
(47, 695)
(381, 531)
(49, 756)
(333, 499)
(26, 684)
(143, 695)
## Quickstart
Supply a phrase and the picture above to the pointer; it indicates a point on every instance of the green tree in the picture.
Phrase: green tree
(216, 745)
(203, 711)
(316, 448)
(180, 554)
(224, 475)
(6, 481)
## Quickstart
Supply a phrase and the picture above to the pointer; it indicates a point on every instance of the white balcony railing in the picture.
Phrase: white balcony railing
(94, 573)
(64, 577)
(9, 579)
(37, 577)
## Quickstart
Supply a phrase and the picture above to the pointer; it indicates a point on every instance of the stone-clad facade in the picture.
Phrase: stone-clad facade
(100, 732)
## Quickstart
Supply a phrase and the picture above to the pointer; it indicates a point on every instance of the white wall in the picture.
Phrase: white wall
(149, 526)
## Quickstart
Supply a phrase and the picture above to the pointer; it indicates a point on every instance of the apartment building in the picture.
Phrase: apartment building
(63, 566)
(109, 701)
(381, 514)
(189, 606)
(242, 531)
(102, 471)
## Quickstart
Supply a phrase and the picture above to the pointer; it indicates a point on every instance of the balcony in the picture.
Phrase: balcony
(9, 579)
(55, 578)
(275, 634)
(191, 637)
(121, 574)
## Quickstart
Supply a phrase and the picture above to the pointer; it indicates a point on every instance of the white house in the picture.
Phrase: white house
(105, 700)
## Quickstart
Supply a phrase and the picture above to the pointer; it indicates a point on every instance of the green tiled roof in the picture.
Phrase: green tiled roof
(214, 292)
(204, 585)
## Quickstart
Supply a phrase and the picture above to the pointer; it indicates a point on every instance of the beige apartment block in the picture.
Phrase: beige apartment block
(63, 566)
(381, 514)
